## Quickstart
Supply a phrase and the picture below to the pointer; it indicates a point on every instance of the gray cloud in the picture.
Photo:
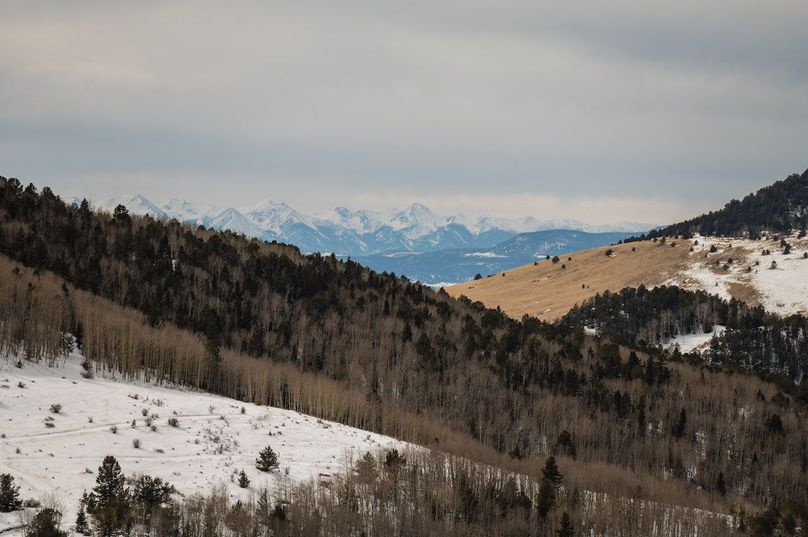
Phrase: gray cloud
(677, 104)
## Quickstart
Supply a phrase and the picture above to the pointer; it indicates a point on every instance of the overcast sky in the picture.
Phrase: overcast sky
(593, 109)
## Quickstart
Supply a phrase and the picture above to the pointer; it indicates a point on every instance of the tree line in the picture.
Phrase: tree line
(781, 207)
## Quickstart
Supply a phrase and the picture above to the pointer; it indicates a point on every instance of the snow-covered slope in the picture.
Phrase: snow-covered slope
(214, 440)
(775, 280)
(348, 232)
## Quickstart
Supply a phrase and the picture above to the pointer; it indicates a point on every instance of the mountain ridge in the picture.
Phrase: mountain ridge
(357, 232)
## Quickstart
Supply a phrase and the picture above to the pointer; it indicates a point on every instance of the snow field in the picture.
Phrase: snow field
(49, 452)
(782, 290)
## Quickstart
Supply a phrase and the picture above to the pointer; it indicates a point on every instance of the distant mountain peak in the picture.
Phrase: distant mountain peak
(354, 232)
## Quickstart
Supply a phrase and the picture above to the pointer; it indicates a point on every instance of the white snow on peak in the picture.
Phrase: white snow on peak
(275, 216)
(135, 203)
(417, 220)
(361, 221)
(232, 220)
(185, 211)
(352, 231)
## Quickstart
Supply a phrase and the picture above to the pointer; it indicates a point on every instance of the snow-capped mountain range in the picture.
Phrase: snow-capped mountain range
(360, 232)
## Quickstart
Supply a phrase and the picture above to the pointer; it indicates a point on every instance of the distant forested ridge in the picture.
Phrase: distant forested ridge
(780, 207)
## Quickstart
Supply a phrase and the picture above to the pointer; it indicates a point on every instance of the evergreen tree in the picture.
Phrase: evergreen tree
(565, 526)
(9, 494)
(82, 526)
(681, 424)
(110, 499)
(263, 510)
(243, 480)
(267, 460)
(720, 484)
(546, 498)
(46, 523)
(110, 484)
(551, 472)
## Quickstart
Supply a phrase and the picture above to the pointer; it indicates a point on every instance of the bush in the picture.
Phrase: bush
(173, 422)
(56, 408)
(114, 429)
(136, 443)
(45, 523)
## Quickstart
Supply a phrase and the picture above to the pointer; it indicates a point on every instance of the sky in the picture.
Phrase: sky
(598, 110)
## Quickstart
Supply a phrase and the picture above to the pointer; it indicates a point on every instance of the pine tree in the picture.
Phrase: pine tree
(565, 527)
(546, 498)
(9, 494)
(262, 508)
(82, 527)
(679, 428)
(243, 480)
(110, 484)
(267, 460)
(551, 473)
(110, 499)
(720, 484)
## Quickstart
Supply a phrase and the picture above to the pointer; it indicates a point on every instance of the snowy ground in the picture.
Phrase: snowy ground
(750, 276)
(213, 442)
(692, 342)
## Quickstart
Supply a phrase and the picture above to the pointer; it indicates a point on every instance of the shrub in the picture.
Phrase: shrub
(56, 408)
(45, 523)
(114, 429)
(136, 443)
(173, 422)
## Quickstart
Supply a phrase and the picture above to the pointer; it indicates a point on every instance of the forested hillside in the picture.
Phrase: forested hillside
(753, 340)
(273, 326)
(780, 207)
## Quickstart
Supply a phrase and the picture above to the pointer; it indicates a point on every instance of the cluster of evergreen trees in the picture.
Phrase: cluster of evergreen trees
(769, 345)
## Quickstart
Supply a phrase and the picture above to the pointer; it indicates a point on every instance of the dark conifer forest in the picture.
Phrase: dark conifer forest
(771, 346)
(780, 207)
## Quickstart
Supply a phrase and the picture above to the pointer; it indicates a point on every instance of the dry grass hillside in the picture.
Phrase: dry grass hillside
(737, 268)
